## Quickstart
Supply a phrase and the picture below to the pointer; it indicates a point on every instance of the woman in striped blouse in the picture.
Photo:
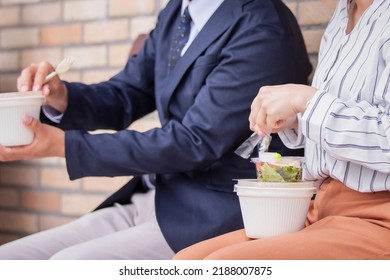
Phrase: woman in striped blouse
(343, 121)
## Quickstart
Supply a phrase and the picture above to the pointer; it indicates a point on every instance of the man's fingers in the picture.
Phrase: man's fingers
(25, 80)
(42, 71)
(45, 91)
(11, 153)
(31, 123)
(4, 151)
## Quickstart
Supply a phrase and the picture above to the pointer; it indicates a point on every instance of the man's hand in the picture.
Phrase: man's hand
(32, 77)
(49, 141)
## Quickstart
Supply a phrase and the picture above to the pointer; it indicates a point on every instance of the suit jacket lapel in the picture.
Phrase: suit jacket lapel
(213, 28)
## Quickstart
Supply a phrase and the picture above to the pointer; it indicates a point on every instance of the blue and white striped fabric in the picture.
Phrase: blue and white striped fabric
(346, 126)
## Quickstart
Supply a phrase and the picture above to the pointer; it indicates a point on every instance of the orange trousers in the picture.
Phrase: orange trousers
(341, 224)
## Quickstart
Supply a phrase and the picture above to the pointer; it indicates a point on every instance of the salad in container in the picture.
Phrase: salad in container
(272, 167)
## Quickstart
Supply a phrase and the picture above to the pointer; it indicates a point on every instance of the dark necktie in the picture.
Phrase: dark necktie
(179, 39)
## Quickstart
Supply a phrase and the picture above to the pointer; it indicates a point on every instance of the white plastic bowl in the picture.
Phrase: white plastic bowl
(13, 105)
(271, 211)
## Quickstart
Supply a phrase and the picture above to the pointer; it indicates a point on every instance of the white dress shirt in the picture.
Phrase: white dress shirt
(346, 126)
(200, 11)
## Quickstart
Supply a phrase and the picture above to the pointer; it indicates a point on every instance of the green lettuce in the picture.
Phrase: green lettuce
(279, 173)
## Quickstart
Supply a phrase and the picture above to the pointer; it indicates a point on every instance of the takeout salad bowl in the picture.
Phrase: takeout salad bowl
(13, 105)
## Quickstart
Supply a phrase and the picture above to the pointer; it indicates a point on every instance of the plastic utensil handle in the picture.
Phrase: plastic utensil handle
(50, 76)
(247, 147)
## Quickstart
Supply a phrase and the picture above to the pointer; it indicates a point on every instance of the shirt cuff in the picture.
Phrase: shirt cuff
(293, 138)
(316, 116)
(52, 114)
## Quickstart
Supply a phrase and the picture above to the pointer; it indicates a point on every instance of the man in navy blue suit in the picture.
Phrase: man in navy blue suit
(182, 190)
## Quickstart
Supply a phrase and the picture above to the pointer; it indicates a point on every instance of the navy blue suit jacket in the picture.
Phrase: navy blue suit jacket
(203, 106)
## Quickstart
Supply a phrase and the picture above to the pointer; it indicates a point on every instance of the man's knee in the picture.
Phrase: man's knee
(74, 253)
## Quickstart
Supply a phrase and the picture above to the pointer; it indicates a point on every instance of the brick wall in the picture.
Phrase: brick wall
(37, 194)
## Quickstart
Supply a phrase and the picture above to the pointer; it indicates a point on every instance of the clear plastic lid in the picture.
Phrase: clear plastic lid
(271, 167)
(276, 159)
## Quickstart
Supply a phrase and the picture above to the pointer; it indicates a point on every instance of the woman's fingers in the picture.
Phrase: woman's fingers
(270, 109)
(275, 108)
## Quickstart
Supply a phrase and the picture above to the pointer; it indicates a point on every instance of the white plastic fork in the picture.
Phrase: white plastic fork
(61, 68)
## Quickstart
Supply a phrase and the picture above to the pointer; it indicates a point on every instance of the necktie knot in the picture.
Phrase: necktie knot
(186, 17)
(180, 38)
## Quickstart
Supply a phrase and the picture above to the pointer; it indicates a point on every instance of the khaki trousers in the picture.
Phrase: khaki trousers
(341, 224)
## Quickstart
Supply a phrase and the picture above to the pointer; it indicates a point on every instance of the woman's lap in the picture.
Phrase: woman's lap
(342, 224)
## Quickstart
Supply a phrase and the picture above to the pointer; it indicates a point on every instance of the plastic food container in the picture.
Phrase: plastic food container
(13, 106)
(271, 209)
(271, 167)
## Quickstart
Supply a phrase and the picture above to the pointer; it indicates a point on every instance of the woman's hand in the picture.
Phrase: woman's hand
(32, 77)
(48, 141)
(275, 108)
